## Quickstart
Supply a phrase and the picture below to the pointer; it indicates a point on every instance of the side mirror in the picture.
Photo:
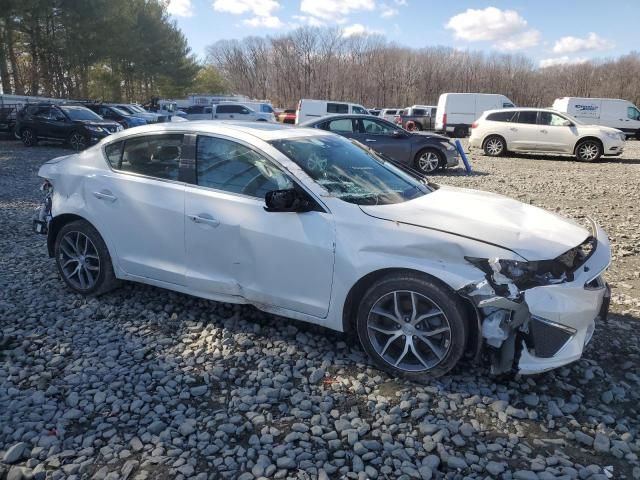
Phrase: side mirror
(397, 134)
(567, 123)
(289, 200)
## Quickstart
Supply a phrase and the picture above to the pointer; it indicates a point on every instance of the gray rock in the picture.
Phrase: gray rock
(199, 390)
(286, 462)
(156, 427)
(494, 468)
(316, 376)
(525, 475)
(601, 442)
(456, 462)
(15, 453)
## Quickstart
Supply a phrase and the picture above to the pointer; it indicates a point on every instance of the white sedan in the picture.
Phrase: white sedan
(312, 226)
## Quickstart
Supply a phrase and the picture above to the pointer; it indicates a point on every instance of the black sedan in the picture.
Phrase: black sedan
(424, 151)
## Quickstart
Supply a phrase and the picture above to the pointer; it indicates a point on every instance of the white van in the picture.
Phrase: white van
(608, 112)
(310, 109)
(457, 111)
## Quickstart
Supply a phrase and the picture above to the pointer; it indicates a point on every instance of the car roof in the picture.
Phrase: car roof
(520, 109)
(325, 118)
(263, 130)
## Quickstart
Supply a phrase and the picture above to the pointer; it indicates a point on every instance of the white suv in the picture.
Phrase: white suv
(538, 130)
(238, 111)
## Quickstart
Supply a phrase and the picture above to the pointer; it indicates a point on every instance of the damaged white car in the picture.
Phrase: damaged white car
(312, 226)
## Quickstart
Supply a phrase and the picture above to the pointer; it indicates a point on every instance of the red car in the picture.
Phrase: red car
(288, 116)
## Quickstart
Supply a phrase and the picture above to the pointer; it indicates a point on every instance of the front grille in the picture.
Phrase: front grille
(548, 337)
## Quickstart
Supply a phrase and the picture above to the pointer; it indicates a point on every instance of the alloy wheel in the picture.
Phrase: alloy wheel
(409, 331)
(588, 151)
(27, 137)
(79, 260)
(428, 162)
(77, 141)
(494, 146)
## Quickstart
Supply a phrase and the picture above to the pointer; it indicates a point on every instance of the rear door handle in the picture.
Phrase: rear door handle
(204, 218)
(105, 195)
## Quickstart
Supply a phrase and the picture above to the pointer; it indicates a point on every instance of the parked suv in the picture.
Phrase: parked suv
(423, 117)
(74, 124)
(539, 130)
(237, 111)
(109, 112)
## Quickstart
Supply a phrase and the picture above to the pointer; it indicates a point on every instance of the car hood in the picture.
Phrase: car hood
(434, 136)
(96, 123)
(531, 232)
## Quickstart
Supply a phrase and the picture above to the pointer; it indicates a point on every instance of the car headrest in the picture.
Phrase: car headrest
(167, 152)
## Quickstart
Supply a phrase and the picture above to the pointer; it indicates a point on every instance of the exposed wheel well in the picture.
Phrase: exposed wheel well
(360, 287)
(56, 224)
(595, 139)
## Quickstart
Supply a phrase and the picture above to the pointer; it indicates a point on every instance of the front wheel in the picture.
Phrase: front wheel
(494, 146)
(588, 151)
(78, 141)
(428, 160)
(28, 137)
(83, 260)
(412, 326)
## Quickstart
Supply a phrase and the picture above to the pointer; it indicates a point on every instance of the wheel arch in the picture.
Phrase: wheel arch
(442, 157)
(349, 308)
(489, 135)
(60, 221)
(588, 137)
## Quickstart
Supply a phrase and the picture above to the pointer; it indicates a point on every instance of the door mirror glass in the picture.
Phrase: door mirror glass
(567, 123)
(397, 134)
(289, 200)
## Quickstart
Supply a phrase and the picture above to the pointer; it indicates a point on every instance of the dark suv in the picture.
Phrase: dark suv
(74, 124)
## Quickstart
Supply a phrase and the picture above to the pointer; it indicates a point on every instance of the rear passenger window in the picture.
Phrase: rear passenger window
(390, 112)
(114, 154)
(344, 125)
(419, 112)
(501, 116)
(232, 167)
(154, 156)
(337, 108)
(527, 117)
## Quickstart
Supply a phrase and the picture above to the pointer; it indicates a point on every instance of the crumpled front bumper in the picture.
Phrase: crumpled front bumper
(568, 313)
(544, 327)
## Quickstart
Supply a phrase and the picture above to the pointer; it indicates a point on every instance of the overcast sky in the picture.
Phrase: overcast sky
(549, 31)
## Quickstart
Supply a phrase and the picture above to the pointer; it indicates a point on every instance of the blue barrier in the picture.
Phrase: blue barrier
(467, 165)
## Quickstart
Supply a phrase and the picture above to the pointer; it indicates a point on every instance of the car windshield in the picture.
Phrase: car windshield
(137, 108)
(120, 111)
(350, 172)
(80, 113)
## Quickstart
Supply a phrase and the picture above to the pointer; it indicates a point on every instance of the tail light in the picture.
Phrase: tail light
(444, 120)
(474, 125)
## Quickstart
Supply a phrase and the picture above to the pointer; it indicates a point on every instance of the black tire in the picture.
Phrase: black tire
(460, 132)
(449, 345)
(424, 161)
(494, 146)
(105, 278)
(418, 127)
(78, 141)
(588, 150)
(28, 137)
(638, 134)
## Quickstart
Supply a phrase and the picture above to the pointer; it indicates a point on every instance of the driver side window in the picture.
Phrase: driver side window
(372, 127)
(232, 167)
(633, 113)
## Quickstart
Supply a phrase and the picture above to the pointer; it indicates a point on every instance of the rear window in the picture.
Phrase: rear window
(266, 108)
(390, 112)
(419, 112)
(501, 116)
(337, 108)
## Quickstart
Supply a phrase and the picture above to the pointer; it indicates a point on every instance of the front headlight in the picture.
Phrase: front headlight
(119, 128)
(615, 135)
(94, 129)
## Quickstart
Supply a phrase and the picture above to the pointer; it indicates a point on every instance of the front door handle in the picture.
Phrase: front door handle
(105, 195)
(543, 131)
(370, 140)
(513, 129)
(204, 218)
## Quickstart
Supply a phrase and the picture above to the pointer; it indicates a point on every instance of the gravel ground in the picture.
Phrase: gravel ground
(146, 383)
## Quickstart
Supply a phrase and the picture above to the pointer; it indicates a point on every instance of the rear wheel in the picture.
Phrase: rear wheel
(588, 151)
(28, 137)
(78, 141)
(412, 326)
(638, 134)
(494, 146)
(428, 160)
(460, 132)
(83, 260)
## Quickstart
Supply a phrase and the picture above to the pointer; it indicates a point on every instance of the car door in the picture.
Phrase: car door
(139, 203)
(41, 121)
(523, 132)
(235, 247)
(224, 112)
(380, 136)
(557, 133)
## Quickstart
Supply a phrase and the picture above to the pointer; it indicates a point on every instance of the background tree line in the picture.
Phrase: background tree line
(321, 63)
(100, 49)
